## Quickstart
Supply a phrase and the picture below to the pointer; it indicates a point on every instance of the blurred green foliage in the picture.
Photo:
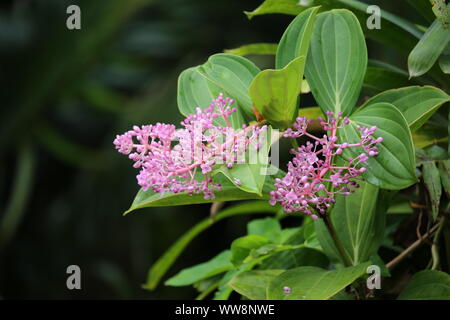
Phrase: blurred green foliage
(64, 96)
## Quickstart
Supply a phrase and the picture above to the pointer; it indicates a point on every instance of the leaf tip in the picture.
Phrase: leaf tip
(249, 14)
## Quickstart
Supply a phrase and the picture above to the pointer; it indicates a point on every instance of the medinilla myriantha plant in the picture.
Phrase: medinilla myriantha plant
(347, 163)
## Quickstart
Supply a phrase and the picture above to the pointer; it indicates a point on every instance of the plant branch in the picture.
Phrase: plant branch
(337, 242)
(412, 247)
(434, 246)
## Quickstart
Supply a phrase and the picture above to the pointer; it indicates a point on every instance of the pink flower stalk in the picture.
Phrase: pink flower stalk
(313, 168)
(182, 160)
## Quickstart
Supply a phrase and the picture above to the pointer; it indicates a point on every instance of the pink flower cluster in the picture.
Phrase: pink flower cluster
(182, 160)
(314, 177)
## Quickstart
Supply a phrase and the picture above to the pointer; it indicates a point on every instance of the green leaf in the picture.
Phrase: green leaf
(359, 220)
(312, 283)
(160, 267)
(267, 227)
(251, 175)
(432, 181)
(397, 32)
(222, 73)
(241, 247)
(251, 179)
(427, 285)
(444, 171)
(254, 48)
(295, 41)
(217, 265)
(416, 103)
(228, 192)
(275, 93)
(292, 7)
(394, 167)
(337, 61)
(428, 49)
(253, 284)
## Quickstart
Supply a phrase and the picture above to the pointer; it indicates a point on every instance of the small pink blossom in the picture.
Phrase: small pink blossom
(303, 189)
(183, 160)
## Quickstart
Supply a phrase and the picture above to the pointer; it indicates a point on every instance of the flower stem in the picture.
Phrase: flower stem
(337, 242)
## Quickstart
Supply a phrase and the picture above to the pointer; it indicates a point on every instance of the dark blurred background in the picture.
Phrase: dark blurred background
(65, 94)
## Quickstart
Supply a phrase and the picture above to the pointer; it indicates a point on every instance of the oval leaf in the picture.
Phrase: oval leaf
(228, 192)
(394, 167)
(427, 285)
(337, 61)
(295, 40)
(241, 247)
(428, 49)
(312, 283)
(217, 265)
(416, 103)
(275, 93)
(222, 73)
(253, 284)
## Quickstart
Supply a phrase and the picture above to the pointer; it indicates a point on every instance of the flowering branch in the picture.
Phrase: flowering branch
(313, 180)
(182, 160)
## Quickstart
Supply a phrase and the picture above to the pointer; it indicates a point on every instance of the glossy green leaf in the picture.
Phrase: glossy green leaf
(250, 178)
(292, 258)
(394, 167)
(359, 220)
(432, 181)
(428, 49)
(217, 265)
(222, 73)
(397, 32)
(228, 192)
(427, 285)
(251, 175)
(254, 48)
(292, 7)
(337, 61)
(267, 227)
(416, 103)
(275, 93)
(241, 247)
(253, 284)
(295, 41)
(160, 267)
(312, 283)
